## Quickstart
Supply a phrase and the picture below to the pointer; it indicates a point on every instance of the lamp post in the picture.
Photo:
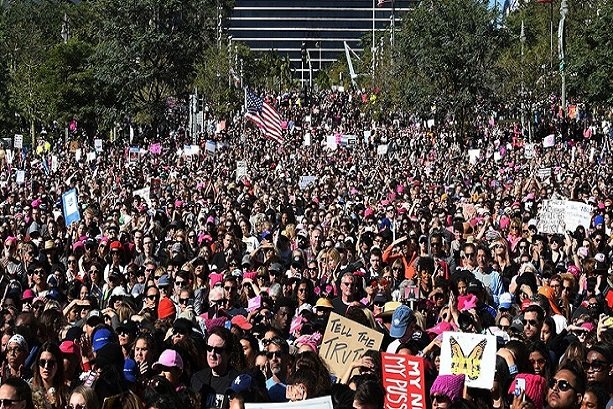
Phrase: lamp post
(522, 39)
(561, 49)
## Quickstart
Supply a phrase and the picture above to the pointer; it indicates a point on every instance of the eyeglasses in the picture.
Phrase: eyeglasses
(562, 385)
(72, 260)
(5, 403)
(179, 283)
(46, 363)
(157, 277)
(215, 350)
(94, 271)
(39, 271)
(498, 246)
(532, 323)
(15, 350)
(273, 354)
(177, 331)
(504, 327)
(566, 288)
(594, 366)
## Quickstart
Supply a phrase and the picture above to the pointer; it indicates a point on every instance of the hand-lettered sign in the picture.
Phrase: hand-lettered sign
(473, 355)
(404, 381)
(345, 341)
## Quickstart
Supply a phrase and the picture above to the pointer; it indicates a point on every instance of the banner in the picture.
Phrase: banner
(324, 402)
(404, 381)
(560, 216)
(473, 355)
(346, 341)
(70, 205)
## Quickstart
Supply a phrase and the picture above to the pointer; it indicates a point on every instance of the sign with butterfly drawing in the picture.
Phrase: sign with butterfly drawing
(473, 355)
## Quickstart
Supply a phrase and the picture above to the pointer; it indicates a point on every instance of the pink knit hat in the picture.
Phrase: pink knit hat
(536, 387)
(451, 386)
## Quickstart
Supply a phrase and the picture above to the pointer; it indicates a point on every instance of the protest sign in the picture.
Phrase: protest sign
(20, 177)
(144, 193)
(241, 169)
(559, 216)
(305, 181)
(324, 402)
(77, 154)
(404, 381)
(543, 173)
(307, 139)
(210, 147)
(473, 355)
(70, 205)
(549, 141)
(155, 148)
(529, 150)
(497, 156)
(382, 149)
(331, 142)
(73, 146)
(473, 156)
(345, 341)
(98, 145)
(90, 157)
(18, 141)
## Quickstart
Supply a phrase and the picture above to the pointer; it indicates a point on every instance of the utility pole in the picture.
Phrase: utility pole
(561, 50)
(522, 39)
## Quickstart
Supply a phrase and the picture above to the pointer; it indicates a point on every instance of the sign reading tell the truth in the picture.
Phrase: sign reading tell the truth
(346, 341)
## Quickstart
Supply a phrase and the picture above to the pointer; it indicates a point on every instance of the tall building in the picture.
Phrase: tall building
(322, 27)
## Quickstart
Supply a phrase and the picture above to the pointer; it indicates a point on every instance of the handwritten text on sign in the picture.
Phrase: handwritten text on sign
(404, 381)
(346, 341)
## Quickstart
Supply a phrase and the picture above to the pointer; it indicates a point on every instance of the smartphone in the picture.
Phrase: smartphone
(520, 386)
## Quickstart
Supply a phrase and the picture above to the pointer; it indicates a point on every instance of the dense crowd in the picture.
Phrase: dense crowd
(212, 289)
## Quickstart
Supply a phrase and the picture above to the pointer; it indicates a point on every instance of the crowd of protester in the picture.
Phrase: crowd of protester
(212, 290)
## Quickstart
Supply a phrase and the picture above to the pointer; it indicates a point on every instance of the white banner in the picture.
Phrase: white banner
(18, 141)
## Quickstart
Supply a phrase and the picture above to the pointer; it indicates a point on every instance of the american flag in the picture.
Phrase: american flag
(264, 116)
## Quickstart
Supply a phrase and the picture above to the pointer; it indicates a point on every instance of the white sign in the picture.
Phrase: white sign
(331, 142)
(305, 181)
(472, 355)
(529, 150)
(241, 169)
(144, 193)
(91, 156)
(560, 216)
(307, 139)
(543, 173)
(20, 178)
(77, 154)
(497, 156)
(9, 156)
(98, 145)
(325, 402)
(211, 146)
(549, 141)
(18, 141)
(382, 149)
(473, 156)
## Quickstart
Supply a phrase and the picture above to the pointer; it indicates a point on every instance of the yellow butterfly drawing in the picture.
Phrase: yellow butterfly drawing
(468, 365)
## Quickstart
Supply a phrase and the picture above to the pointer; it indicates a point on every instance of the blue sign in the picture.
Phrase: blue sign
(70, 205)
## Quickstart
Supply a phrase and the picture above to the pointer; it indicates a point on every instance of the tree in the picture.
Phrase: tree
(445, 58)
(147, 50)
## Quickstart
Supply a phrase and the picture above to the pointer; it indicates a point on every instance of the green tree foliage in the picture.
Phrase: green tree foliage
(446, 55)
(146, 51)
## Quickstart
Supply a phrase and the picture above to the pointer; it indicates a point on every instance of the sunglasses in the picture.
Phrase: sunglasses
(215, 350)
(273, 354)
(468, 255)
(562, 385)
(183, 300)
(595, 366)
(230, 288)
(46, 363)
(152, 297)
(5, 403)
(532, 323)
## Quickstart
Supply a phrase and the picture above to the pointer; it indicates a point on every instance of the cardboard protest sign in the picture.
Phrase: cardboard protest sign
(382, 149)
(345, 341)
(70, 205)
(560, 216)
(305, 181)
(324, 402)
(18, 141)
(473, 355)
(404, 381)
(98, 145)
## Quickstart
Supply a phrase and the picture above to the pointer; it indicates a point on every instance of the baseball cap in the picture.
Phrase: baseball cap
(100, 338)
(402, 317)
(505, 300)
(241, 322)
(164, 281)
(241, 383)
(168, 359)
(130, 370)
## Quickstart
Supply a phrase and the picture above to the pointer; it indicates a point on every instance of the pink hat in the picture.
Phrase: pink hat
(215, 278)
(241, 322)
(536, 387)
(368, 212)
(574, 270)
(28, 294)
(441, 327)
(250, 275)
(588, 326)
(168, 359)
(36, 203)
(504, 222)
(69, 348)
(451, 386)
